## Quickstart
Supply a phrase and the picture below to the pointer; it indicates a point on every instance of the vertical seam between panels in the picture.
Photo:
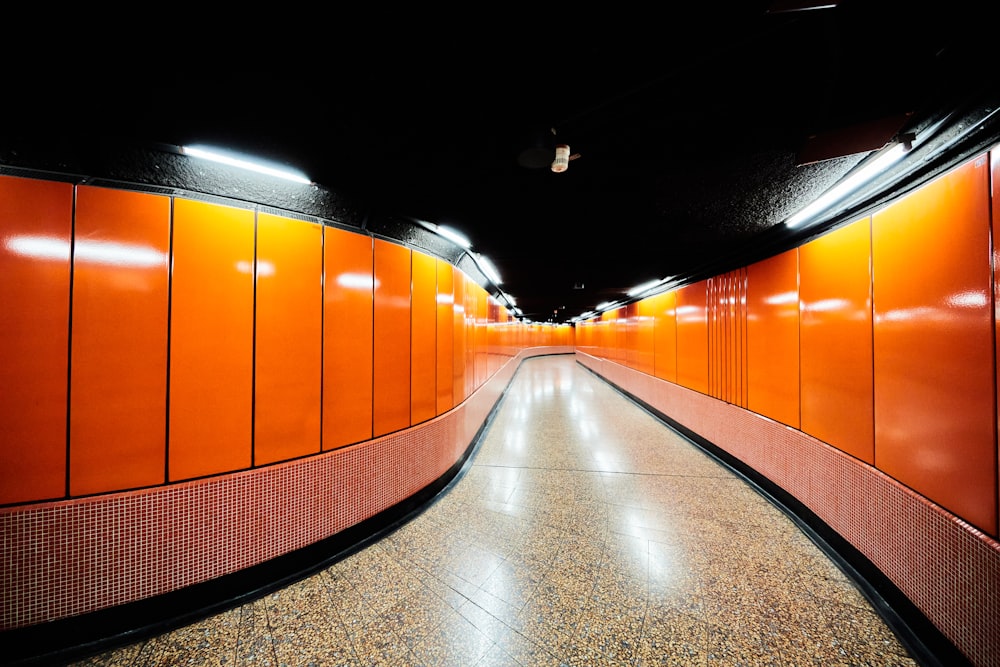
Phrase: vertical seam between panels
(69, 340)
(322, 325)
(871, 315)
(170, 306)
(253, 350)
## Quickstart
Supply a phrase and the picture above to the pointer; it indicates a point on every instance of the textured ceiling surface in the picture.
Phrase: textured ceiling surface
(690, 131)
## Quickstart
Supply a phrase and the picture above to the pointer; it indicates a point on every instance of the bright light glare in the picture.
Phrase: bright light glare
(100, 252)
(453, 235)
(848, 185)
(215, 155)
(357, 281)
(486, 266)
(645, 287)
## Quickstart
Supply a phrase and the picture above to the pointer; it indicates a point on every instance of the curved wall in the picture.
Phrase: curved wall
(192, 386)
(857, 373)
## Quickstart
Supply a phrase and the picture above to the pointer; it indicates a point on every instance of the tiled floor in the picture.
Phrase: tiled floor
(584, 533)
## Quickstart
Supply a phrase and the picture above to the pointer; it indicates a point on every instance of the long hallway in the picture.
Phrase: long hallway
(583, 532)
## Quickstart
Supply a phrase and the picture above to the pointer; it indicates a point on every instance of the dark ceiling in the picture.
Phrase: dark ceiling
(690, 127)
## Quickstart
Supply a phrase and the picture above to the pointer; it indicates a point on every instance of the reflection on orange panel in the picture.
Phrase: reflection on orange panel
(663, 308)
(445, 336)
(392, 338)
(995, 198)
(347, 338)
(629, 335)
(471, 308)
(459, 338)
(118, 379)
(423, 339)
(645, 335)
(211, 340)
(933, 345)
(773, 338)
(836, 339)
(482, 342)
(692, 336)
(289, 339)
(35, 227)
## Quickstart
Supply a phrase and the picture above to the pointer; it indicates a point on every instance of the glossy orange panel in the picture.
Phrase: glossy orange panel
(773, 338)
(836, 339)
(645, 339)
(663, 308)
(118, 376)
(445, 336)
(347, 337)
(423, 339)
(211, 340)
(995, 198)
(460, 344)
(482, 341)
(36, 221)
(692, 336)
(933, 343)
(289, 339)
(391, 379)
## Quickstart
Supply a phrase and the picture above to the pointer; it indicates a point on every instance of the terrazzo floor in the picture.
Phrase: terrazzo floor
(584, 532)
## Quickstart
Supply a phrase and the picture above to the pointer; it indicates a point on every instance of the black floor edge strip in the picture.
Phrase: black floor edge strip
(79, 637)
(925, 642)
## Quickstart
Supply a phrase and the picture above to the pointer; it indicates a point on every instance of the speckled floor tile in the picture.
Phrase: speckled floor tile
(584, 533)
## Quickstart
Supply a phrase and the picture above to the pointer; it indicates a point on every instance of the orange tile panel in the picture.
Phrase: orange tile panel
(118, 349)
(289, 339)
(664, 310)
(36, 222)
(836, 339)
(459, 338)
(995, 199)
(935, 422)
(348, 313)
(391, 379)
(645, 338)
(423, 339)
(692, 336)
(445, 381)
(773, 338)
(211, 340)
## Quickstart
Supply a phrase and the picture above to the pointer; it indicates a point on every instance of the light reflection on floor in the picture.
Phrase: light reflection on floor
(584, 533)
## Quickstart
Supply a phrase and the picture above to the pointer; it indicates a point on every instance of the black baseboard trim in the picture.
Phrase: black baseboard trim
(925, 642)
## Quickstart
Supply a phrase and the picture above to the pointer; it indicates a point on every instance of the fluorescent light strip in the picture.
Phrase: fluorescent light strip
(243, 163)
(848, 185)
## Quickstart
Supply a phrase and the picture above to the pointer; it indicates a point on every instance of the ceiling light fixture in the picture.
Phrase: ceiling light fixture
(217, 155)
(888, 156)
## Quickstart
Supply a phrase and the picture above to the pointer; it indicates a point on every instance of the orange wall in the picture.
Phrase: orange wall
(877, 337)
(773, 338)
(836, 339)
(118, 354)
(35, 235)
(423, 339)
(211, 340)
(348, 350)
(664, 309)
(289, 339)
(692, 337)
(445, 301)
(391, 378)
(935, 426)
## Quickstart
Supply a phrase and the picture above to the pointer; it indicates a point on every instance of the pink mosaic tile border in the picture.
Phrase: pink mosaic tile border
(949, 569)
(72, 557)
